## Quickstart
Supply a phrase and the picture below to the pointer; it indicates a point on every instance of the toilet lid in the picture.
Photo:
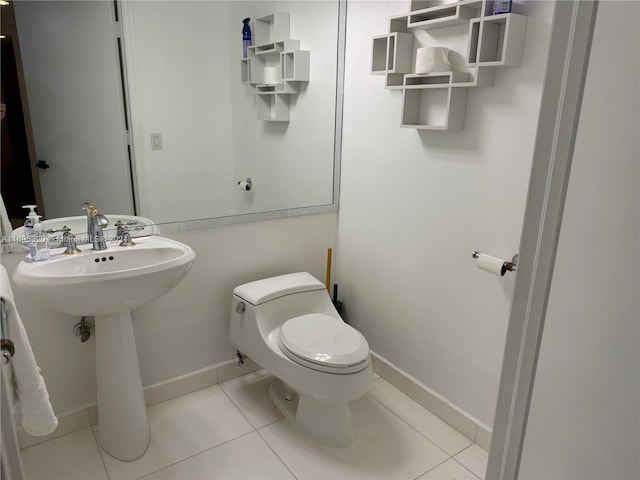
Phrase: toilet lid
(324, 340)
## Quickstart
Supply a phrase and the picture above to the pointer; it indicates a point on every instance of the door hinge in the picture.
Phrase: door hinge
(117, 29)
(127, 136)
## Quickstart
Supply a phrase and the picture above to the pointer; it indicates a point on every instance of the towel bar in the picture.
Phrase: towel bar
(6, 345)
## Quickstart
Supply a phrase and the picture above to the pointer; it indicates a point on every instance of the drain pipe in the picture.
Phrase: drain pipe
(83, 329)
(241, 356)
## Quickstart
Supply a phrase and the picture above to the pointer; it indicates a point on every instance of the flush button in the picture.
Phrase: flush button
(240, 307)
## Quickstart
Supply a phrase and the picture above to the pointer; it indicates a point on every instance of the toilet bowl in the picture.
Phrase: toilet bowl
(288, 325)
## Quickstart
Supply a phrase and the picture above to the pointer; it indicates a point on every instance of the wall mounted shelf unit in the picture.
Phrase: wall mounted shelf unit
(437, 101)
(274, 67)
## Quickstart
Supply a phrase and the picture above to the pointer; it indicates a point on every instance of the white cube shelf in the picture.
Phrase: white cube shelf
(392, 53)
(398, 24)
(502, 40)
(434, 108)
(379, 54)
(400, 52)
(274, 108)
(271, 28)
(251, 71)
(295, 65)
(435, 80)
(440, 16)
(273, 48)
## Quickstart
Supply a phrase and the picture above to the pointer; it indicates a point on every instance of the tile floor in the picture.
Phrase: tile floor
(233, 431)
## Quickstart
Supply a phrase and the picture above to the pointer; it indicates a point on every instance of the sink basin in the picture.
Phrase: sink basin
(108, 281)
(107, 284)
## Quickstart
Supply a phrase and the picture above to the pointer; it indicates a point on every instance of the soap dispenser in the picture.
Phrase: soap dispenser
(36, 236)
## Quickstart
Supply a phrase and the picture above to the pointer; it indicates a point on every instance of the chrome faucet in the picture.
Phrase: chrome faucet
(95, 222)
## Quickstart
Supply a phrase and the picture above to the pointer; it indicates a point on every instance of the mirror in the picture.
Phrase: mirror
(171, 137)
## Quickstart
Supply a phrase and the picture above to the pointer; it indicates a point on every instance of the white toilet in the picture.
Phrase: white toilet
(288, 325)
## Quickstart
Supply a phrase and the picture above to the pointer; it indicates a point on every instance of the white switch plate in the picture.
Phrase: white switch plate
(156, 141)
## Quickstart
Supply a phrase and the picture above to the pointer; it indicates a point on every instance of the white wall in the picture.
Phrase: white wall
(188, 328)
(414, 205)
(584, 418)
(70, 65)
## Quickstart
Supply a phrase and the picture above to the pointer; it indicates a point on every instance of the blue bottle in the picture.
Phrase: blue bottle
(246, 37)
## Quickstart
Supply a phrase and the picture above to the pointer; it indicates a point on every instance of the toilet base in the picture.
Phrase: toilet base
(325, 421)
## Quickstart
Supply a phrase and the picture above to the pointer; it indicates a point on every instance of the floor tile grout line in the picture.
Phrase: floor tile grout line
(104, 464)
(272, 449)
(257, 430)
(195, 454)
(238, 408)
(247, 418)
(424, 473)
(414, 428)
(466, 468)
(422, 406)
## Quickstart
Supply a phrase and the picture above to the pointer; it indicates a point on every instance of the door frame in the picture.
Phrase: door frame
(10, 30)
(571, 36)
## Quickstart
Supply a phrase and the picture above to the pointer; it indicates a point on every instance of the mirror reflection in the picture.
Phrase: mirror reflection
(148, 108)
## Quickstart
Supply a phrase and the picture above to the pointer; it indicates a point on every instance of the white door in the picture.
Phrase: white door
(72, 72)
(569, 403)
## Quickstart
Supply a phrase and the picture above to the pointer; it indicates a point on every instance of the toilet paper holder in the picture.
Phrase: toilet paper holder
(510, 266)
(245, 185)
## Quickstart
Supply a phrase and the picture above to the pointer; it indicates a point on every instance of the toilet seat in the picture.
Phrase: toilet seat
(324, 343)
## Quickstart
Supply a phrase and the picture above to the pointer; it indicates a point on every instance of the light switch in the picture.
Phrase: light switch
(156, 141)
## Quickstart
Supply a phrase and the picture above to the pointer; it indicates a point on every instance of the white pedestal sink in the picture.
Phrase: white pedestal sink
(107, 284)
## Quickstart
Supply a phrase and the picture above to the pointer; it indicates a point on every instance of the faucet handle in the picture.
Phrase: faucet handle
(69, 241)
(121, 229)
(123, 234)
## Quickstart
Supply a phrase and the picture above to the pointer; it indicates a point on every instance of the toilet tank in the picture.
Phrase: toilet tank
(270, 302)
(262, 291)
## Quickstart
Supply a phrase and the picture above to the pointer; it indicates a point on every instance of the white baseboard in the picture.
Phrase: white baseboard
(160, 392)
(176, 387)
(466, 424)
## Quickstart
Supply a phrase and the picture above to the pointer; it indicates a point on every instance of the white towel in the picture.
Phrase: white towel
(9, 243)
(37, 414)
(5, 227)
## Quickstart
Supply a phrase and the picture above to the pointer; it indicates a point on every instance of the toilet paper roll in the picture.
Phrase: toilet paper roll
(492, 264)
(244, 186)
(271, 75)
(432, 59)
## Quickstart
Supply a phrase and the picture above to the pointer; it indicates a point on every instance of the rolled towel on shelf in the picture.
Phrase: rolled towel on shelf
(37, 413)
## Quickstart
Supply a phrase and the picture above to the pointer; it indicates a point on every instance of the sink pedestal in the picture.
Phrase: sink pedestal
(122, 413)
